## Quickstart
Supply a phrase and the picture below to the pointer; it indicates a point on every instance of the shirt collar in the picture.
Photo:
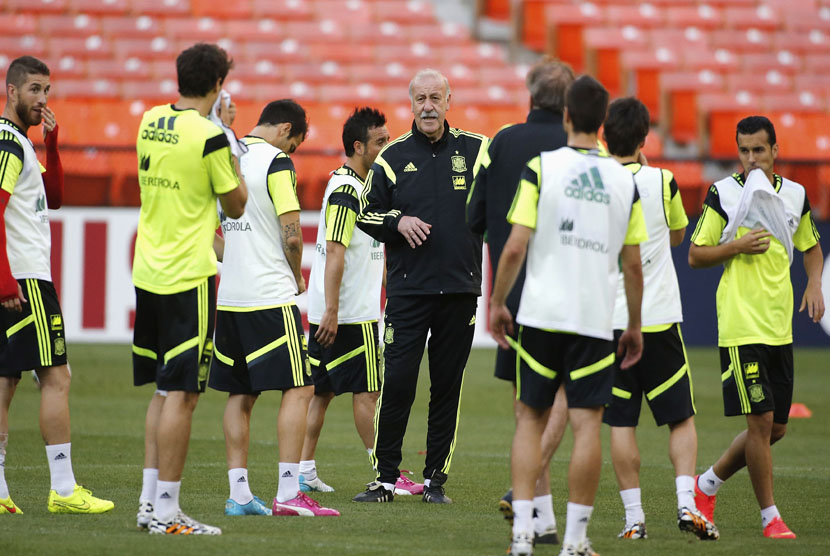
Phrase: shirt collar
(437, 144)
(12, 124)
(741, 179)
(542, 116)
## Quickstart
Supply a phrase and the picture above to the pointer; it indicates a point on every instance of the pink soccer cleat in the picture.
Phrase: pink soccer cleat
(302, 505)
(406, 486)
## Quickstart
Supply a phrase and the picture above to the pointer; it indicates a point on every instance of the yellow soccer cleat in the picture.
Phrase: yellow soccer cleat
(81, 501)
(9, 507)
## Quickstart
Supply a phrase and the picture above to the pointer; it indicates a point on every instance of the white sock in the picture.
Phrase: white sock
(709, 483)
(522, 517)
(427, 483)
(544, 513)
(308, 469)
(685, 491)
(633, 506)
(60, 468)
(289, 484)
(148, 484)
(389, 486)
(4, 488)
(166, 505)
(768, 514)
(576, 527)
(240, 489)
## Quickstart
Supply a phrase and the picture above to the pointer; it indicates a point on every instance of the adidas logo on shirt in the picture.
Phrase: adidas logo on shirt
(60, 456)
(287, 474)
(410, 168)
(165, 496)
(241, 480)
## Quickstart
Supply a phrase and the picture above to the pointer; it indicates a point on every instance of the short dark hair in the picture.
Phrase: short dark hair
(285, 111)
(358, 125)
(587, 102)
(547, 82)
(199, 67)
(754, 124)
(626, 126)
(21, 68)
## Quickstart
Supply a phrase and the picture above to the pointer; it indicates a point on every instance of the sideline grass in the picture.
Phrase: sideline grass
(107, 423)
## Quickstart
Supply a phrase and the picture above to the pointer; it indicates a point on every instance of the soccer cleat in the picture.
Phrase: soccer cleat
(777, 529)
(81, 501)
(314, 485)
(693, 521)
(521, 545)
(585, 549)
(302, 505)
(144, 515)
(406, 486)
(434, 493)
(9, 507)
(705, 503)
(548, 536)
(375, 492)
(182, 525)
(254, 507)
(506, 506)
(635, 531)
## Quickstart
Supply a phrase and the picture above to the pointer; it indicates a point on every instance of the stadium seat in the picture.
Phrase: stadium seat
(276, 52)
(326, 126)
(759, 81)
(683, 40)
(325, 73)
(350, 94)
(86, 89)
(110, 7)
(372, 33)
(782, 61)
(641, 75)
(11, 47)
(508, 76)
(205, 29)
(256, 72)
(817, 63)
(143, 26)
(481, 54)
(91, 47)
(157, 48)
(603, 46)
(391, 74)
(150, 91)
(531, 24)
(237, 9)
(36, 6)
(643, 15)
(131, 68)
(69, 25)
(66, 67)
(448, 33)
(282, 10)
(719, 61)
(260, 29)
(494, 9)
(799, 102)
(761, 16)
(724, 111)
(702, 16)
(403, 12)
(416, 54)
(493, 95)
(334, 51)
(316, 31)
(166, 8)
(812, 41)
(18, 24)
(164, 69)
(561, 34)
(345, 11)
(750, 40)
(679, 115)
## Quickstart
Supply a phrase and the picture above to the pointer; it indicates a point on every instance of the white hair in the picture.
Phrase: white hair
(428, 72)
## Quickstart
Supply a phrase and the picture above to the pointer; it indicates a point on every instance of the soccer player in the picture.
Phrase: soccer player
(414, 202)
(580, 213)
(31, 321)
(487, 206)
(344, 299)
(184, 164)
(260, 344)
(753, 237)
(663, 374)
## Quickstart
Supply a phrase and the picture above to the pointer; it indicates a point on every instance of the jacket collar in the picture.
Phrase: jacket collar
(437, 144)
(542, 116)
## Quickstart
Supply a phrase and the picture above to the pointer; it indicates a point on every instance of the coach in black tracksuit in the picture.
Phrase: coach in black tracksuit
(414, 202)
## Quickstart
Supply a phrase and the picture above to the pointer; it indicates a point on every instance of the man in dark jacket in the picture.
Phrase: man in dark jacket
(487, 206)
(414, 202)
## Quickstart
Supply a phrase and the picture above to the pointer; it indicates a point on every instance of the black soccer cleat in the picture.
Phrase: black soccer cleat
(434, 493)
(375, 492)
(506, 506)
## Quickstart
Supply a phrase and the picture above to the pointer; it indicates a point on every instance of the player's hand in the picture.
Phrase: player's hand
(414, 230)
(631, 346)
(501, 323)
(226, 111)
(300, 285)
(49, 121)
(327, 331)
(15, 303)
(813, 301)
(754, 242)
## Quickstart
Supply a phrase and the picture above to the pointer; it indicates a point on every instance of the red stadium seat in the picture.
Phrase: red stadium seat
(129, 69)
(645, 15)
(204, 29)
(799, 102)
(260, 30)
(36, 6)
(817, 63)
(166, 8)
(751, 40)
(450, 34)
(641, 75)
(481, 54)
(110, 7)
(782, 61)
(67, 67)
(11, 47)
(325, 130)
(719, 61)
(143, 26)
(237, 9)
(18, 24)
(761, 16)
(150, 91)
(164, 69)
(288, 48)
(812, 41)
(494, 9)
(349, 94)
(489, 96)
(404, 12)
(603, 46)
(87, 89)
(257, 72)
(372, 33)
(686, 39)
(701, 16)
(417, 54)
(679, 102)
(392, 74)
(69, 25)
(558, 30)
(91, 47)
(316, 31)
(282, 10)
(345, 11)
(760, 82)
(334, 51)
(147, 49)
(507, 76)
(326, 73)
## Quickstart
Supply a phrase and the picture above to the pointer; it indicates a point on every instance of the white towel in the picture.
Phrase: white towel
(761, 207)
(238, 148)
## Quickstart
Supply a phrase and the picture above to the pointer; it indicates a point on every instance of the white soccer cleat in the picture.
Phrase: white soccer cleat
(144, 515)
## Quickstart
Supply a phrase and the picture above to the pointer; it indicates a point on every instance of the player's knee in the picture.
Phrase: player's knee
(778, 432)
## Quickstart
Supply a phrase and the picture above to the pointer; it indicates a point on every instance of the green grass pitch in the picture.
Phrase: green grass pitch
(107, 425)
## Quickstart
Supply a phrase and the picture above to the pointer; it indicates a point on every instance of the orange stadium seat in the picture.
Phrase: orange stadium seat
(326, 73)
(531, 23)
(167, 8)
(493, 95)
(471, 118)
(143, 26)
(91, 47)
(405, 12)
(131, 68)
(494, 9)
(145, 49)
(653, 149)
(276, 52)
(447, 32)
(164, 69)
(813, 41)
(373, 33)
(98, 7)
(334, 51)
(701, 16)
(782, 61)
(237, 9)
(37, 6)
(344, 11)
(481, 54)
(282, 9)
(645, 15)
(641, 75)
(69, 25)
(326, 126)
(720, 60)
(417, 54)
(769, 81)
(17, 24)
(818, 84)
(761, 16)
(461, 75)
(603, 46)
(803, 101)
(151, 91)
(679, 115)
(87, 89)
(686, 39)
(260, 29)
(66, 67)
(12, 47)
(750, 40)
(724, 111)
(561, 31)
(507, 76)
(393, 74)
(256, 72)
(205, 29)
(350, 94)
(316, 31)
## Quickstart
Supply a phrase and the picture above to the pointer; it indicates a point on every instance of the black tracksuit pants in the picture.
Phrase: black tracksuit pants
(449, 319)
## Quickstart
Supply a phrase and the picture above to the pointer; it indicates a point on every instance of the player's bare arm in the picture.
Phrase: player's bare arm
(813, 299)
(753, 242)
(676, 237)
(512, 257)
(219, 246)
(631, 341)
(292, 245)
(414, 230)
(335, 262)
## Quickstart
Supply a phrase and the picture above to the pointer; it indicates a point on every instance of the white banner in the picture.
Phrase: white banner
(92, 251)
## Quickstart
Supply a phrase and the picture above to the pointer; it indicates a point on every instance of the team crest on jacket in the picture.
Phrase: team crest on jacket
(389, 335)
(459, 164)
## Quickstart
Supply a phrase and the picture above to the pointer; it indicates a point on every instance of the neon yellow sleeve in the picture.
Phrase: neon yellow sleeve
(525, 207)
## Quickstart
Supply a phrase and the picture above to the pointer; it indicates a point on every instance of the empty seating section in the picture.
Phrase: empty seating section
(698, 64)
(111, 59)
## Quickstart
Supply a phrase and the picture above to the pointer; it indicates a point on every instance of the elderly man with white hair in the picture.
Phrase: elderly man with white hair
(414, 202)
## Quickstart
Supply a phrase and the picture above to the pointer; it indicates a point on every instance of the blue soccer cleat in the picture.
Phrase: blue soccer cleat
(254, 507)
